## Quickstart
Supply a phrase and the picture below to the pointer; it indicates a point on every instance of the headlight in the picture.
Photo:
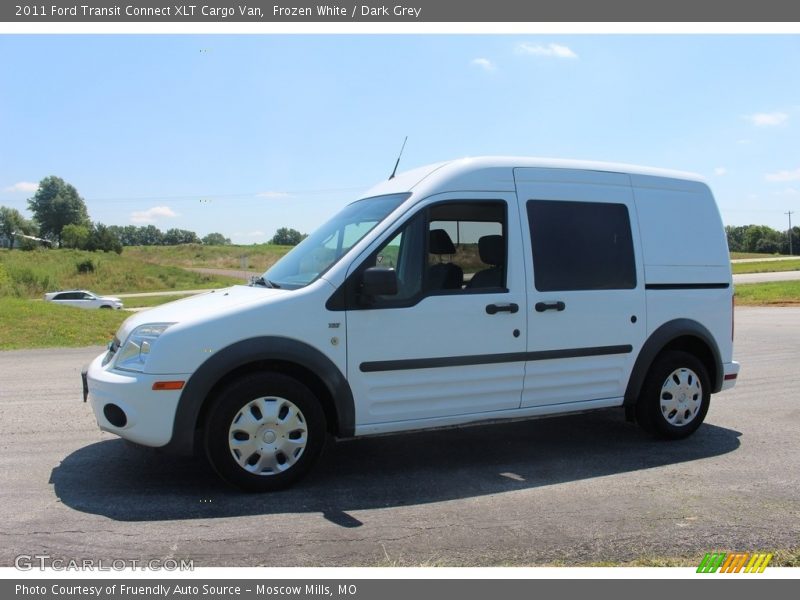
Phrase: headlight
(132, 356)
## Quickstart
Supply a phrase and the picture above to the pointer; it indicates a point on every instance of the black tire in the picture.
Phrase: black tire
(675, 396)
(285, 432)
(106, 306)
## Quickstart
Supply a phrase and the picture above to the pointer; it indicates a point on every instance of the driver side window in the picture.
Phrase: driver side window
(453, 247)
(466, 247)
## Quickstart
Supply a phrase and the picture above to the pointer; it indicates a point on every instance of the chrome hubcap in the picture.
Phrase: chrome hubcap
(681, 397)
(268, 435)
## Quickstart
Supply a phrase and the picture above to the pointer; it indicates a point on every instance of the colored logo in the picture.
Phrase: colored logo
(735, 562)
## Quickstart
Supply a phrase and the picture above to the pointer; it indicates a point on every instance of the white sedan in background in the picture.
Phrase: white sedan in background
(83, 299)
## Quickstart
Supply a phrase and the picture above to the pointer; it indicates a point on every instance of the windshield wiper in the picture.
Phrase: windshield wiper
(264, 283)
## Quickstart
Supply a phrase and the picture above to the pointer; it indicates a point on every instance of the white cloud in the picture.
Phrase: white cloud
(720, 171)
(768, 119)
(151, 215)
(483, 63)
(783, 176)
(273, 195)
(788, 192)
(554, 50)
(23, 186)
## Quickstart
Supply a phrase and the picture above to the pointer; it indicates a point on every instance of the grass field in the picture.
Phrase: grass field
(31, 274)
(258, 257)
(775, 293)
(766, 267)
(28, 324)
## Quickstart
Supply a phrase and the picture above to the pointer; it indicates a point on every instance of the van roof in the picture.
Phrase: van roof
(497, 173)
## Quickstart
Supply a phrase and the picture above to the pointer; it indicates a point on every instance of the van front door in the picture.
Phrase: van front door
(586, 311)
(450, 343)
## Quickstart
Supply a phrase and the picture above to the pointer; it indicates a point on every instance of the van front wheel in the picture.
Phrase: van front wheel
(675, 396)
(264, 432)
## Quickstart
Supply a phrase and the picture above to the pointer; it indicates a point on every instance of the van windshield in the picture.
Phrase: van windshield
(323, 248)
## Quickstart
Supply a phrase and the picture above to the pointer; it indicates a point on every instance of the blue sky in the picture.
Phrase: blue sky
(243, 134)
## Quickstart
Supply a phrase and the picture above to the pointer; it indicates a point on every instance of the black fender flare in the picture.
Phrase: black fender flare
(658, 340)
(254, 350)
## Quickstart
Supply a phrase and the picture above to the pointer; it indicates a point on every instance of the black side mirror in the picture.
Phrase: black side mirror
(379, 281)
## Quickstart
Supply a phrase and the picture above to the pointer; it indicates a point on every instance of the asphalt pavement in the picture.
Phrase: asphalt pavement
(566, 490)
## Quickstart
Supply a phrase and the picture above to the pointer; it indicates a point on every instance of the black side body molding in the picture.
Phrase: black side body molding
(489, 359)
(660, 338)
(255, 350)
(687, 286)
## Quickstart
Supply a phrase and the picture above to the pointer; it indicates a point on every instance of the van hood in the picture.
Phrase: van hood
(214, 302)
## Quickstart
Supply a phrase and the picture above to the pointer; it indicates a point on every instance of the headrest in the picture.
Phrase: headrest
(492, 250)
(439, 242)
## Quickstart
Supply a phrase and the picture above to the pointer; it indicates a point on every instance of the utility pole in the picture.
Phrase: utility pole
(790, 213)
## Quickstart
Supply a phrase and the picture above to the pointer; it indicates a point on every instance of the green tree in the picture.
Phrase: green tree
(55, 205)
(735, 237)
(767, 246)
(173, 237)
(75, 236)
(761, 238)
(29, 227)
(120, 233)
(103, 238)
(216, 239)
(131, 235)
(795, 247)
(287, 237)
(149, 236)
(11, 223)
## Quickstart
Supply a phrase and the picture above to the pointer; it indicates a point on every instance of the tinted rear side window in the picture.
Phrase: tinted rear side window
(581, 246)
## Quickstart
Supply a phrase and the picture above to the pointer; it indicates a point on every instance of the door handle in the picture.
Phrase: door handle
(493, 309)
(543, 306)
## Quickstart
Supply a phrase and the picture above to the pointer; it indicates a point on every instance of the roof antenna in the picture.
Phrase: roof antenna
(398, 158)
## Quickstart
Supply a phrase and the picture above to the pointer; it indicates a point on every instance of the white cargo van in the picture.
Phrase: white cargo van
(467, 291)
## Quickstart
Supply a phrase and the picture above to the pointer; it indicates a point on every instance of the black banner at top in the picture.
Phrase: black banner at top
(400, 11)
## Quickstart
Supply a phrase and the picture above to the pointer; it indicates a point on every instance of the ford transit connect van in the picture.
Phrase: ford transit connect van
(467, 291)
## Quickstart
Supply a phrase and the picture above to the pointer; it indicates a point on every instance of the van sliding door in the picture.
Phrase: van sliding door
(586, 310)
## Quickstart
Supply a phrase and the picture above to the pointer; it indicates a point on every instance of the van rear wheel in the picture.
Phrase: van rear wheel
(265, 431)
(675, 396)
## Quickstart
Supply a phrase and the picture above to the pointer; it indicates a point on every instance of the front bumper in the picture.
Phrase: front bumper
(146, 417)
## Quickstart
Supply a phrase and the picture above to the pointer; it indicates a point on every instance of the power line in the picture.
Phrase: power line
(790, 213)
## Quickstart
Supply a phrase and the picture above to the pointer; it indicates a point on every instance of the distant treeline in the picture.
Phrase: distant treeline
(762, 239)
(150, 235)
(61, 220)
